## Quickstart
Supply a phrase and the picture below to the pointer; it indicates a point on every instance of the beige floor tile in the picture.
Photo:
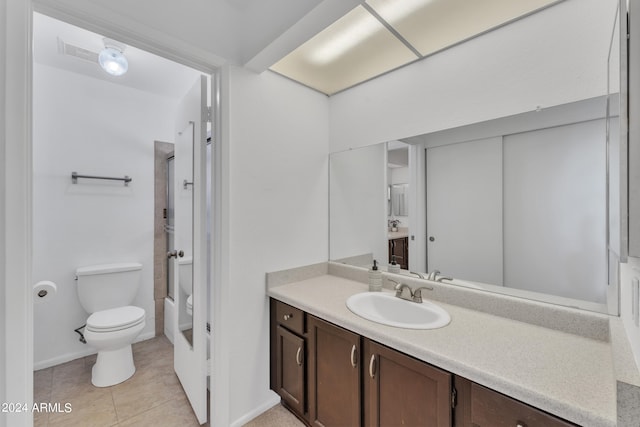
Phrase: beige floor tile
(42, 383)
(146, 390)
(176, 412)
(277, 416)
(153, 393)
(93, 407)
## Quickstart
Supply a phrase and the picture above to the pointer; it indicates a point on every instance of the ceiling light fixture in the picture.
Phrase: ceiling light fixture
(111, 58)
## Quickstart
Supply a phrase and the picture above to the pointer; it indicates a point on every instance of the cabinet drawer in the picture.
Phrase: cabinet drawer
(290, 317)
(492, 409)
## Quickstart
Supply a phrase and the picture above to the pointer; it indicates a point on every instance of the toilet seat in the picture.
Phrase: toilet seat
(115, 319)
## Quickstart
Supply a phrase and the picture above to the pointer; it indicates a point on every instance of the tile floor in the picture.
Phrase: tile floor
(276, 417)
(152, 397)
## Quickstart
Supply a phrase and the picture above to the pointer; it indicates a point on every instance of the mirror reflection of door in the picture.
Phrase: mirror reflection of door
(190, 246)
(464, 210)
(183, 199)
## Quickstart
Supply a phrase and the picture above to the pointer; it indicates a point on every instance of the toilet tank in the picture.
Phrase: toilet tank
(185, 274)
(105, 286)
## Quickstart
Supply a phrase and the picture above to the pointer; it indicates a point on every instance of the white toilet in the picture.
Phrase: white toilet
(105, 291)
(185, 277)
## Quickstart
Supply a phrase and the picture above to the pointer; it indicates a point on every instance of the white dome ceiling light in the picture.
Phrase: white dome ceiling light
(112, 59)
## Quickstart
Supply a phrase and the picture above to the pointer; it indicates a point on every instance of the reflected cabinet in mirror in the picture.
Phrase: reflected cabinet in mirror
(526, 204)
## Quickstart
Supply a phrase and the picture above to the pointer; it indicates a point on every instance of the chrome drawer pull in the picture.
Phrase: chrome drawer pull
(299, 356)
(354, 362)
(372, 366)
(287, 316)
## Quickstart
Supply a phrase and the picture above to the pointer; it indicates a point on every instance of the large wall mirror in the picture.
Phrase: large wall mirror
(527, 205)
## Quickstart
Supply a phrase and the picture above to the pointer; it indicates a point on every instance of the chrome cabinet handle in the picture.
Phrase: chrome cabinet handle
(354, 362)
(372, 366)
(521, 424)
(299, 356)
(287, 316)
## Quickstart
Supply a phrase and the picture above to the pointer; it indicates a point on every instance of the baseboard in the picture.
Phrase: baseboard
(64, 358)
(273, 400)
(68, 357)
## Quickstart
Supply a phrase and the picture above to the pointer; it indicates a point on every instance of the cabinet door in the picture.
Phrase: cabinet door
(334, 375)
(402, 391)
(399, 249)
(290, 369)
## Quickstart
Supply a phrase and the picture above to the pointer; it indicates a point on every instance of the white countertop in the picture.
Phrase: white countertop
(567, 375)
(397, 234)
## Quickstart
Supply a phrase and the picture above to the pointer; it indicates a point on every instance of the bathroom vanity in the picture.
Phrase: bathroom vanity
(332, 367)
(399, 248)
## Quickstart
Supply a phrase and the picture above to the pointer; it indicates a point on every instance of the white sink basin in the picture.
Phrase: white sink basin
(387, 309)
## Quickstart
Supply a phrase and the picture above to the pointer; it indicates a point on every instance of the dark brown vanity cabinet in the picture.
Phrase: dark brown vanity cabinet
(400, 249)
(288, 356)
(402, 391)
(329, 376)
(334, 374)
(478, 406)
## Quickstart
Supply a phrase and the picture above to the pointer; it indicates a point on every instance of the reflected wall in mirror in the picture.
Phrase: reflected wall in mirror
(183, 184)
(525, 204)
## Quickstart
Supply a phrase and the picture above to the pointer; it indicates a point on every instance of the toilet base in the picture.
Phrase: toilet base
(113, 367)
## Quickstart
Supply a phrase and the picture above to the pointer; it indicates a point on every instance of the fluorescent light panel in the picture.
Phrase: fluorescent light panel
(355, 48)
(432, 25)
(359, 47)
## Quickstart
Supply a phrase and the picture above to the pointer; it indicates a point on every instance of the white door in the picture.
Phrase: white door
(554, 215)
(464, 210)
(190, 352)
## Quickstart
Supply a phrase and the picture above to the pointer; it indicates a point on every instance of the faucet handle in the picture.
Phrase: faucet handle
(417, 293)
(400, 287)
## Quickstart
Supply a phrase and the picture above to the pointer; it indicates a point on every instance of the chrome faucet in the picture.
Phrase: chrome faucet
(420, 275)
(433, 275)
(417, 294)
(400, 287)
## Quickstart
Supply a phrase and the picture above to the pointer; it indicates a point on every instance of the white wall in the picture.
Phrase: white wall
(504, 72)
(278, 211)
(97, 128)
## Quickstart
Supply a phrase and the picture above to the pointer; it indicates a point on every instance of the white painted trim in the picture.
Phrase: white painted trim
(18, 310)
(103, 21)
(54, 361)
(273, 400)
(220, 344)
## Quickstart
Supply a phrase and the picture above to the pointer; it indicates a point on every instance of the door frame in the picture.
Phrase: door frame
(17, 197)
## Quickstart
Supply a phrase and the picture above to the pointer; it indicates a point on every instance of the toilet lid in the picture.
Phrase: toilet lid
(190, 301)
(115, 318)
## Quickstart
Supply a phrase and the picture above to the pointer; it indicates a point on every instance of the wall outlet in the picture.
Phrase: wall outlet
(635, 295)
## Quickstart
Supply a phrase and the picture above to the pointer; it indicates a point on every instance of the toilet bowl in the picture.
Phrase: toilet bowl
(190, 305)
(106, 292)
(111, 332)
(185, 278)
